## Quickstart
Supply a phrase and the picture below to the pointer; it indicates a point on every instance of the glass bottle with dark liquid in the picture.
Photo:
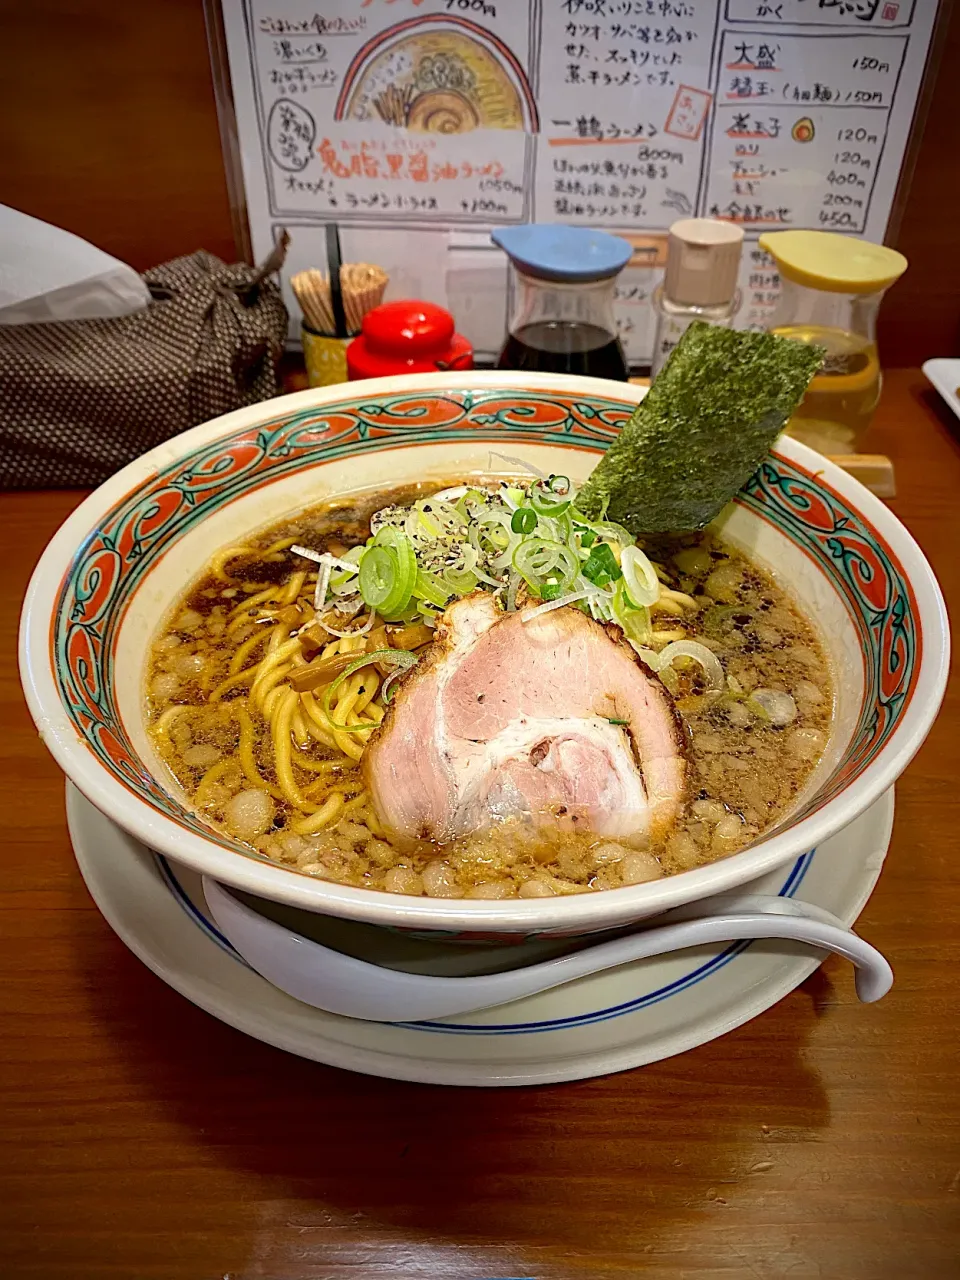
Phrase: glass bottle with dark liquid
(562, 286)
(564, 347)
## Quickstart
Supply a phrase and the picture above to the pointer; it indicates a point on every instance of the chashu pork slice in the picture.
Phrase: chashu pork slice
(553, 719)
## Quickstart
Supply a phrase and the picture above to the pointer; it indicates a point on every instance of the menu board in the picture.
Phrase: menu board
(419, 125)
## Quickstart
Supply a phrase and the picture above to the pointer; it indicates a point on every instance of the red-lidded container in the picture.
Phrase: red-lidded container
(407, 337)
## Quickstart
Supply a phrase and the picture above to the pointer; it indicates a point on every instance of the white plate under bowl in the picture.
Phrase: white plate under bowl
(623, 1018)
(945, 376)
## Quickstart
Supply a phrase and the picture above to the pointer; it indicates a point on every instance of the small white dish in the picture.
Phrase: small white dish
(945, 376)
(625, 1017)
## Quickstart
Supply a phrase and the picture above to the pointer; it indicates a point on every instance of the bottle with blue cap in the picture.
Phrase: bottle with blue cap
(562, 285)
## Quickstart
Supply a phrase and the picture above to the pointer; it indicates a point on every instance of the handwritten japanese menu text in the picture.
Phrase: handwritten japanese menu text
(461, 115)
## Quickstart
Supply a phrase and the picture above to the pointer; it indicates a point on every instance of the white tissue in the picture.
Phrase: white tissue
(49, 274)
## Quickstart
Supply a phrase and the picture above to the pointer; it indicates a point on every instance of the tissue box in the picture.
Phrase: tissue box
(80, 399)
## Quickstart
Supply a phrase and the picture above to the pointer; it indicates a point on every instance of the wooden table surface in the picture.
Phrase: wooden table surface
(143, 1139)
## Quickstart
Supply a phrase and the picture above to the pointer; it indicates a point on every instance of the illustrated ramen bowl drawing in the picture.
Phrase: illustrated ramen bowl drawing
(118, 564)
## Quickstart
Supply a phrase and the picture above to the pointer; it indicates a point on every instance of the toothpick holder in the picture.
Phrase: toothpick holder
(325, 357)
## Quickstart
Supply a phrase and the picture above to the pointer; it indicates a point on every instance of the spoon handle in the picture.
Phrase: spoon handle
(338, 983)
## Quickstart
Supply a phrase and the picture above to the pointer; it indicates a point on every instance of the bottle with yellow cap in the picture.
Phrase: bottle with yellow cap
(831, 290)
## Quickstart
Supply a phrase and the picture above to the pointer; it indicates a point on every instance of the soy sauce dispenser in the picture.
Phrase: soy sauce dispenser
(562, 287)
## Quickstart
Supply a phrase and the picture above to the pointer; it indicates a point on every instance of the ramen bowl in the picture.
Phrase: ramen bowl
(121, 561)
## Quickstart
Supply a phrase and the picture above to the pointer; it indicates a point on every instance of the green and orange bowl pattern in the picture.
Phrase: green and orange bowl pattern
(128, 540)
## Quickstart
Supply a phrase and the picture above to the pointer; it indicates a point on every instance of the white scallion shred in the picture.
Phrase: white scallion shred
(324, 557)
(323, 582)
(308, 553)
(572, 598)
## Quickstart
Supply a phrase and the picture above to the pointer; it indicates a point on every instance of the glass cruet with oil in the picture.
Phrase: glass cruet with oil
(831, 290)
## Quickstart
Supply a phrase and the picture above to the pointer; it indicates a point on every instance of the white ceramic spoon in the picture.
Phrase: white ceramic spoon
(338, 983)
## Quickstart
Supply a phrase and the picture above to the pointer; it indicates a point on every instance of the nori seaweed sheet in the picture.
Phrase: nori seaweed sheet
(702, 429)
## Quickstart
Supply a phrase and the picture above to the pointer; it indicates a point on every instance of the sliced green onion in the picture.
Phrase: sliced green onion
(706, 658)
(444, 510)
(545, 503)
(524, 520)
(601, 606)
(640, 577)
(419, 526)
(609, 531)
(460, 581)
(512, 497)
(563, 526)
(410, 614)
(342, 583)
(351, 631)
(378, 576)
(430, 588)
(471, 495)
(384, 584)
(400, 545)
(635, 622)
(490, 535)
(536, 558)
(485, 577)
(775, 706)
(587, 537)
(505, 559)
(550, 590)
(391, 574)
(387, 689)
(601, 566)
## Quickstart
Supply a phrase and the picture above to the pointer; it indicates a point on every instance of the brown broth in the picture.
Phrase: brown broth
(744, 772)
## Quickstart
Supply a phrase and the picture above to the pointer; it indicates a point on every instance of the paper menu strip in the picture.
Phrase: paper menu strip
(459, 115)
(863, 14)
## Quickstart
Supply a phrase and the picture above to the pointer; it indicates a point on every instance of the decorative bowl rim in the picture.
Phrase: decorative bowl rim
(581, 912)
